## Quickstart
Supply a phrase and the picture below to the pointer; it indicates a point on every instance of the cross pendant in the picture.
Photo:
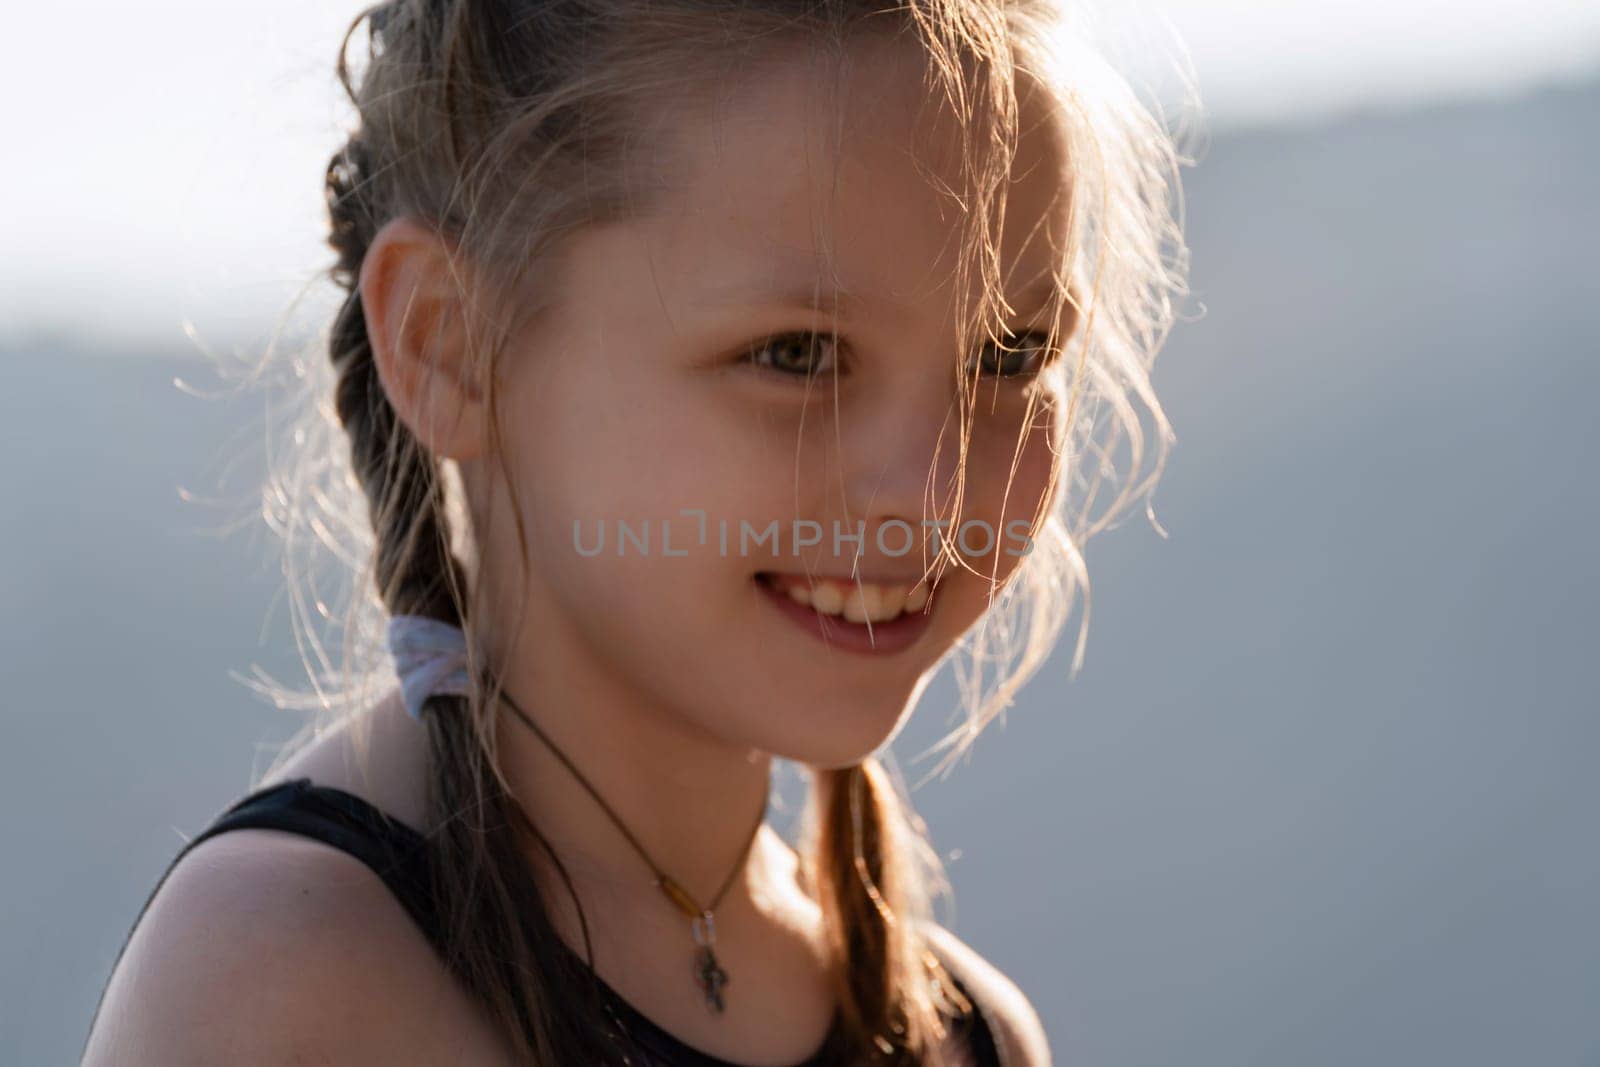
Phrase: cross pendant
(711, 978)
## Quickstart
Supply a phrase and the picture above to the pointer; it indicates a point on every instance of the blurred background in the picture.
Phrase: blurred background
(1324, 791)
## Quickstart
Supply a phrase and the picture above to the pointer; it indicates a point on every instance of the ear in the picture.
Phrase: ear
(413, 290)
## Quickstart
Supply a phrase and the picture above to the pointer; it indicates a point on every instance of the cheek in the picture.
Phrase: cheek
(1009, 479)
(606, 458)
(969, 588)
(608, 438)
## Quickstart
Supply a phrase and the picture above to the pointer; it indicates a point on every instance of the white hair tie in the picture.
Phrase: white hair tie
(430, 657)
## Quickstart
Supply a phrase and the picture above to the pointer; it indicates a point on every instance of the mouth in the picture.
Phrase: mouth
(880, 617)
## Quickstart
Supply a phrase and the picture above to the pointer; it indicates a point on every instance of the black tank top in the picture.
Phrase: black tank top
(396, 852)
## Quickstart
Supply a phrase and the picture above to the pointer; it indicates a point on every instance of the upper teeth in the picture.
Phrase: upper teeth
(856, 601)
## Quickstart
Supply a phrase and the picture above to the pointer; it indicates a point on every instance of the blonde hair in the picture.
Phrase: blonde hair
(509, 125)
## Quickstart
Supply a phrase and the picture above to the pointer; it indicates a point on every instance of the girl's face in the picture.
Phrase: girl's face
(683, 383)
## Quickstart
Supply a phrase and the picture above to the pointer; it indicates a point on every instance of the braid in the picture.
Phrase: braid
(351, 212)
(417, 573)
(867, 894)
(489, 896)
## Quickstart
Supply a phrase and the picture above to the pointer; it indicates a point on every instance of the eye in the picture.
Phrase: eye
(1016, 354)
(795, 355)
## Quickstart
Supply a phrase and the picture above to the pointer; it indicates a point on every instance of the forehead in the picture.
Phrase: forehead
(813, 172)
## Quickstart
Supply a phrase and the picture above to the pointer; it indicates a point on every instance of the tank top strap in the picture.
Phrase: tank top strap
(393, 850)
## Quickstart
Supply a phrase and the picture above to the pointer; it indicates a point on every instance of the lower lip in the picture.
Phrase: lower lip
(885, 638)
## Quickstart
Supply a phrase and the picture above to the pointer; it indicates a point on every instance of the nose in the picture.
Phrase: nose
(898, 454)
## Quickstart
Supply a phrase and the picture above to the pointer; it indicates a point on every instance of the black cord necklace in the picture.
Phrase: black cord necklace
(708, 973)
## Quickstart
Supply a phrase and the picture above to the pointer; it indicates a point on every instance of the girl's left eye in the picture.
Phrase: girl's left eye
(1015, 355)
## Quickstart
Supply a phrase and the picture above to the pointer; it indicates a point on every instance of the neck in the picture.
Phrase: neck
(689, 800)
(688, 797)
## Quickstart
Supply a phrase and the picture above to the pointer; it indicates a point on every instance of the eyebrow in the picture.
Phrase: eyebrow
(812, 295)
(820, 295)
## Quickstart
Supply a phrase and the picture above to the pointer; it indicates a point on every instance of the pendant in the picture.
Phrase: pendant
(708, 974)
(711, 978)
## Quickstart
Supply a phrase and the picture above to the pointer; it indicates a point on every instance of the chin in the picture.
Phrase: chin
(839, 734)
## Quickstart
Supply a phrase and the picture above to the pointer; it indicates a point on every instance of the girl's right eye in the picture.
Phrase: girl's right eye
(795, 355)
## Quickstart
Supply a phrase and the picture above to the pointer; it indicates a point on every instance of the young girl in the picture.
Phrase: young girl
(712, 371)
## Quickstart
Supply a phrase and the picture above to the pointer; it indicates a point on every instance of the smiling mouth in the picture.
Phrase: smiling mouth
(847, 600)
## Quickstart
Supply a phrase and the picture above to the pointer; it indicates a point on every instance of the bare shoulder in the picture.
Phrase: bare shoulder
(264, 947)
(1018, 1031)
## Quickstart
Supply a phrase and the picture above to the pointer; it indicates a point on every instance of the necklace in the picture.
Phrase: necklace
(708, 973)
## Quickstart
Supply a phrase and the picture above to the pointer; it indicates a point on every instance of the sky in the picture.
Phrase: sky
(167, 157)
